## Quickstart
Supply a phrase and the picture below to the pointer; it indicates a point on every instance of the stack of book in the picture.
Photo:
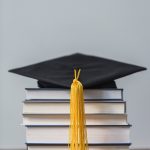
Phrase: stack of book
(46, 115)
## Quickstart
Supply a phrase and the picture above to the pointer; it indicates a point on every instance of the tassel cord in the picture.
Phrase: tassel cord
(77, 129)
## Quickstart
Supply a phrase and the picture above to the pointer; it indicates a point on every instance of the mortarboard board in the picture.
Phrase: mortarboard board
(97, 72)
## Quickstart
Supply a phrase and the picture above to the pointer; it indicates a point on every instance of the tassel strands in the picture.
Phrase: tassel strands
(77, 130)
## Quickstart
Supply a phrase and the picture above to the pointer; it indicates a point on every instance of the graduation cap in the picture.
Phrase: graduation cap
(97, 72)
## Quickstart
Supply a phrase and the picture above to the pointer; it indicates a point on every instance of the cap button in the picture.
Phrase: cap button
(75, 80)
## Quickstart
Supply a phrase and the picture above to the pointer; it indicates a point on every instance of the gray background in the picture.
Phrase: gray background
(37, 30)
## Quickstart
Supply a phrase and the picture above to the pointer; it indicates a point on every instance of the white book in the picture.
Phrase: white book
(47, 93)
(95, 134)
(64, 119)
(40, 147)
(47, 107)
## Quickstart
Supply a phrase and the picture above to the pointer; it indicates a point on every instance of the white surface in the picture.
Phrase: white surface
(66, 148)
(64, 108)
(37, 30)
(116, 119)
(95, 134)
(65, 94)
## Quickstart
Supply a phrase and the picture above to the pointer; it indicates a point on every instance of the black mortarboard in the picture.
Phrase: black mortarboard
(96, 72)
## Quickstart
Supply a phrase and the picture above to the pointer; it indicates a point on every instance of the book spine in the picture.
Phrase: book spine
(68, 101)
(24, 114)
(90, 144)
(128, 125)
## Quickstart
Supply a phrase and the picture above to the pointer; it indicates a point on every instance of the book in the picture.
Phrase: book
(64, 119)
(49, 93)
(46, 115)
(49, 107)
(60, 134)
(109, 146)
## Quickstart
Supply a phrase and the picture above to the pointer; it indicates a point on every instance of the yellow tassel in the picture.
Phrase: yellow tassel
(77, 130)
